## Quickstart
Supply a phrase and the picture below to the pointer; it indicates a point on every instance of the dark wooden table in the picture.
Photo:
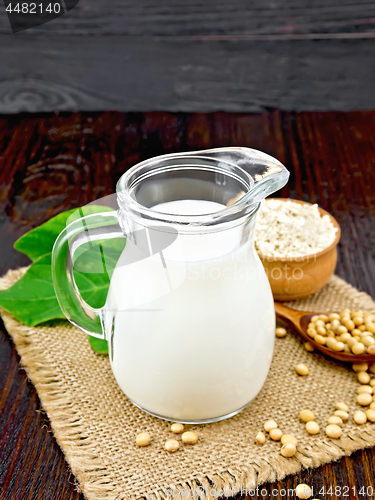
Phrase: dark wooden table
(50, 163)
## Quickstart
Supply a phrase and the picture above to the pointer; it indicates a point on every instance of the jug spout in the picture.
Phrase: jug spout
(236, 179)
(266, 174)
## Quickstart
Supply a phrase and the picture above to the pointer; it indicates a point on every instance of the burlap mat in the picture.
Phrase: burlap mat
(95, 424)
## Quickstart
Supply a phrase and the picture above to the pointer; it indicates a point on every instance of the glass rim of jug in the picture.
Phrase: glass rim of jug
(258, 173)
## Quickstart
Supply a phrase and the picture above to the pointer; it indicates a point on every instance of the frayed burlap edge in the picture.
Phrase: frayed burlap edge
(95, 481)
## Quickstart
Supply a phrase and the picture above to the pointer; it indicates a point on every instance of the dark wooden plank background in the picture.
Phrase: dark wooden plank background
(212, 17)
(235, 56)
(49, 163)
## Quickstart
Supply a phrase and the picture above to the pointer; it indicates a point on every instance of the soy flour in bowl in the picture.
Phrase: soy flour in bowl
(290, 229)
(297, 244)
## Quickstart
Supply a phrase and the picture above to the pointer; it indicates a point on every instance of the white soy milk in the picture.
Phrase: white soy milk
(191, 331)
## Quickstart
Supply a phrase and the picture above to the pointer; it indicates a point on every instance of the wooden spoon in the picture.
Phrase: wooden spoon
(301, 319)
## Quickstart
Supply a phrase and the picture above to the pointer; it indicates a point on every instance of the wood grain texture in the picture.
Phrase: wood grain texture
(212, 17)
(235, 56)
(127, 74)
(50, 163)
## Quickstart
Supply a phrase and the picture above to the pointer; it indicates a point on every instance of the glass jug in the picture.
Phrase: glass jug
(189, 316)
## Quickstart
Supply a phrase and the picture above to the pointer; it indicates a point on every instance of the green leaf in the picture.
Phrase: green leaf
(99, 345)
(39, 241)
(32, 299)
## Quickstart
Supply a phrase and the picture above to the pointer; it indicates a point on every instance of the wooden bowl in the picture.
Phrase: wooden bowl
(293, 278)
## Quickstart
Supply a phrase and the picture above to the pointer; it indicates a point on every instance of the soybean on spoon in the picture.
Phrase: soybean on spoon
(300, 320)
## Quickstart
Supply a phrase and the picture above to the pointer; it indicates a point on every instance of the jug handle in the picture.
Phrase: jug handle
(86, 229)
